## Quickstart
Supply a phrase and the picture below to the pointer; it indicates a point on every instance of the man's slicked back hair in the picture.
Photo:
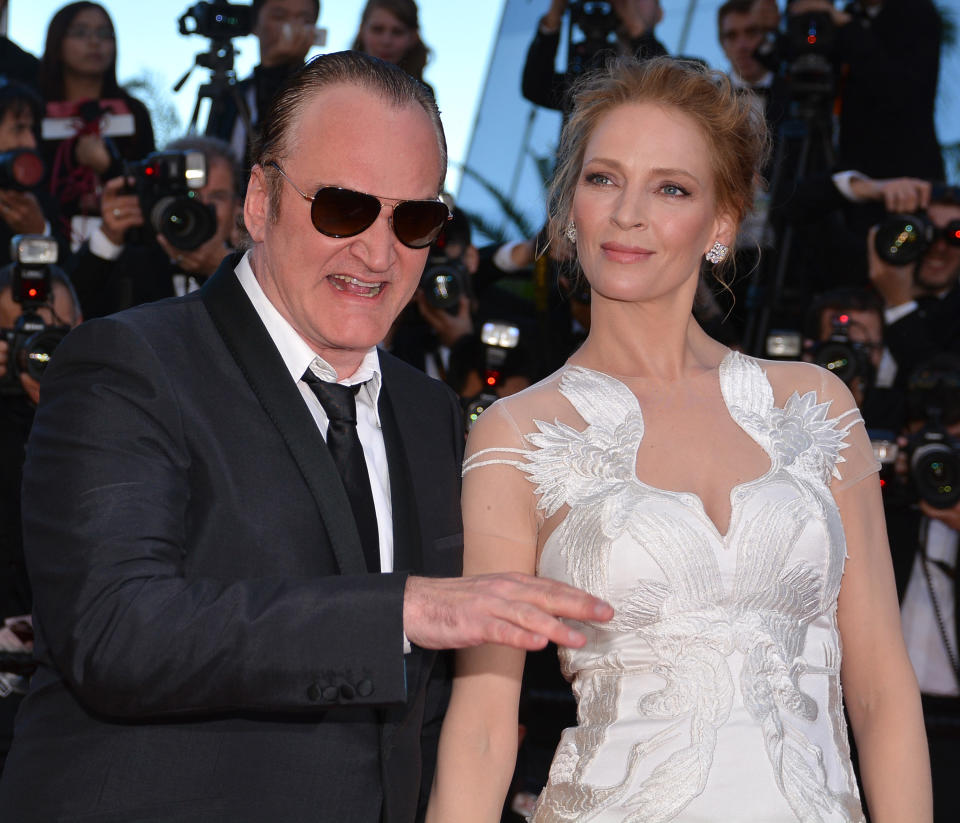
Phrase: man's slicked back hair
(392, 84)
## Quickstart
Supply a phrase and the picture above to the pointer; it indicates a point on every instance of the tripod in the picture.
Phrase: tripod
(220, 88)
(804, 146)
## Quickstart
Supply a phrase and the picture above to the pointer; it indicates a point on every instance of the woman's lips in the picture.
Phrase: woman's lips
(619, 253)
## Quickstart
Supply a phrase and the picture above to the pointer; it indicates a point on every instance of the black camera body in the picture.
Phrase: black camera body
(20, 169)
(597, 20)
(217, 20)
(444, 280)
(167, 184)
(811, 46)
(934, 459)
(846, 358)
(32, 340)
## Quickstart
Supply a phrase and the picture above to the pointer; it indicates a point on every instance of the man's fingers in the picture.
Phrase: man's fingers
(558, 598)
(512, 609)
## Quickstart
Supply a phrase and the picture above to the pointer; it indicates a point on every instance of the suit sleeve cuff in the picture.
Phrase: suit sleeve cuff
(843, 179)
(503, 257)
(103, 247)
(892, 315)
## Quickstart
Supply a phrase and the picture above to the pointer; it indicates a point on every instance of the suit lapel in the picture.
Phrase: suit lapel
(261, 364)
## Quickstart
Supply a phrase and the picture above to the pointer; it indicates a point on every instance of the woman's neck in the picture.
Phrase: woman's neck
(82, 87)
(647, 341)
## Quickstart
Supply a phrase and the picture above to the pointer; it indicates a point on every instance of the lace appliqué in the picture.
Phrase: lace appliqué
(690, 622)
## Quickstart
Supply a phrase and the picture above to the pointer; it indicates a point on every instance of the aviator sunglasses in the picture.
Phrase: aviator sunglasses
(338, 212)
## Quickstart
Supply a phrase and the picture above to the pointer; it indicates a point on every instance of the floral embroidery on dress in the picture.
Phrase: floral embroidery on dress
(692, 623)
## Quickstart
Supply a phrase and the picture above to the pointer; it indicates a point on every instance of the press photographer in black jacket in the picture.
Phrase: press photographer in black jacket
(125, 264)
(23, 209)
(543, 86)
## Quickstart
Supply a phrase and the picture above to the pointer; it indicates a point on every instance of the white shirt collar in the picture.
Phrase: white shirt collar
(296, 354)
(738, 82)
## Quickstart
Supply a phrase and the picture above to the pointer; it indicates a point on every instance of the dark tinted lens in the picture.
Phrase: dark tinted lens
(343, 212)
(418, 222)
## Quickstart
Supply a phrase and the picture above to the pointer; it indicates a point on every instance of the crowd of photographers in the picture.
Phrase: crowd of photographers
(851, 257)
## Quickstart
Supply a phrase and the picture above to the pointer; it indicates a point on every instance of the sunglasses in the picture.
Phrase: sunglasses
(338, 212)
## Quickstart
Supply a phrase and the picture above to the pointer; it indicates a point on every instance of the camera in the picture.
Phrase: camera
(597, 21)
(168, 184)
(20, 169)
(475, 406)
(31, 341)
(496, 355)
(810, 44)
(846, 358)
(217, 20)
(902, 239)
(934, 459)
(445, 279)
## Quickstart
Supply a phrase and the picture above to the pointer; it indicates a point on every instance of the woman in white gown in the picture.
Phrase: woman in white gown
(727, 508)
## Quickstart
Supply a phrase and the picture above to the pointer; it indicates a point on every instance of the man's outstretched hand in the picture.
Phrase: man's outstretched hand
(511, 609)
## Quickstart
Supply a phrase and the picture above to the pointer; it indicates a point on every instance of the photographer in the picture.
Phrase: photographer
(124, 265)
(845, 334)
(285, 30)
(634, 21)
(91, 124)
(18, 399)
(21, 211)
(923, 541)
(889, 53)
(922, 301)
(442, 308)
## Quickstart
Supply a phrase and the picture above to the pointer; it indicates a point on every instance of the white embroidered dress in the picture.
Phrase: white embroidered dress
(714, 693)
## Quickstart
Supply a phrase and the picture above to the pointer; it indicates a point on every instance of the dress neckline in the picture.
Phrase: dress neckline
(727, 373)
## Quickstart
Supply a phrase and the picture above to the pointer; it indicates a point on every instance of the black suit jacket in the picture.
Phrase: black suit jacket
(141, 274)
(891, 64)
(210, 645)
(932, 328)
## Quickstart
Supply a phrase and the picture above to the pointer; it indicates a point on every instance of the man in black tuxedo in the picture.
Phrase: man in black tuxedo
(220, 637)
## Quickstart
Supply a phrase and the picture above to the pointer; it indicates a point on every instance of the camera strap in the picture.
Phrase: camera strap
(925, 564)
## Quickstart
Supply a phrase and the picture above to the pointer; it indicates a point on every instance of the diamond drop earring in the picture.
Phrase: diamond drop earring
(718, 253)
(570, 232)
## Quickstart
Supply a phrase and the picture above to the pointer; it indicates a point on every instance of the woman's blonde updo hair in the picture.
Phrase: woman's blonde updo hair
(731, 122)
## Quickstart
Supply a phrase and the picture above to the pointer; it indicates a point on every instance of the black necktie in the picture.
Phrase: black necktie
(340, 404)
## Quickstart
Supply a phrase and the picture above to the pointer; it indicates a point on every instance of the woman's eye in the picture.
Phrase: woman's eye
(673, 190)
(598, 179)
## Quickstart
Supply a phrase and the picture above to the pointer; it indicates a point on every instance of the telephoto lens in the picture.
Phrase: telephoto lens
(935, 469)
(904, 238)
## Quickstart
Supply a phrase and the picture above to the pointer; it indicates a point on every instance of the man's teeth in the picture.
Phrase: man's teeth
(355, 286)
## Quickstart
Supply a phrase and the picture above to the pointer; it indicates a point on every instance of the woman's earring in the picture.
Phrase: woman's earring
(570, 232)
(718, 253)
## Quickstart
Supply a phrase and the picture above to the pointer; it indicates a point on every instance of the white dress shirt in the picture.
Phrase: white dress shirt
(921, 630)
(298, 357)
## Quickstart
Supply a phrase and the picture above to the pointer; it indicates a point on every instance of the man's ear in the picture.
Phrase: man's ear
(256, 205)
